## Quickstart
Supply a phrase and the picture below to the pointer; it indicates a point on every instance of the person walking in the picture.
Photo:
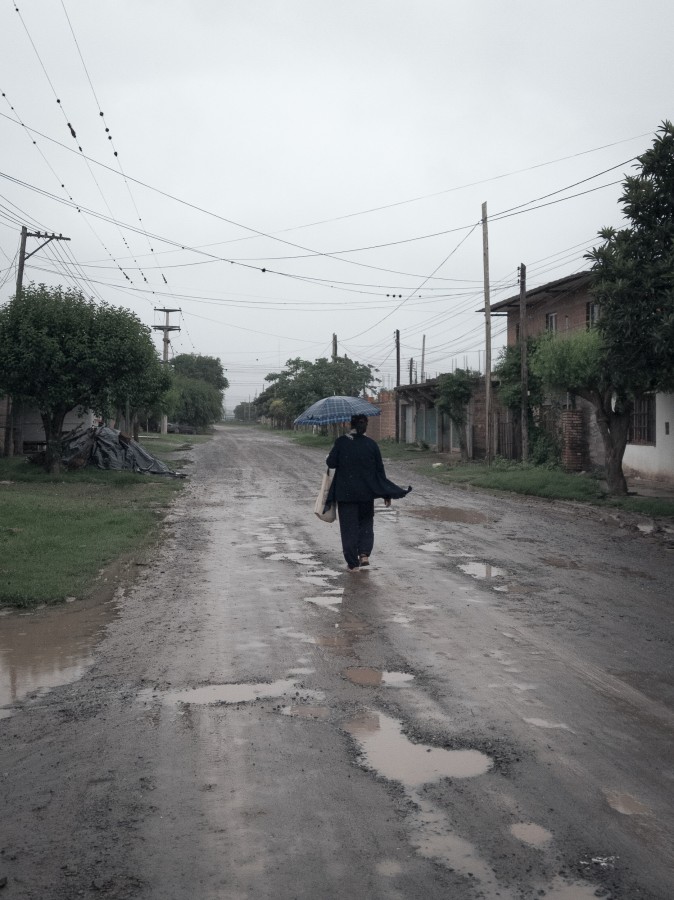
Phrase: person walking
(359, 479)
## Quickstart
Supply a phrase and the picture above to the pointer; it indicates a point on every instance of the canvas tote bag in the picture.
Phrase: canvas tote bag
(329, 514)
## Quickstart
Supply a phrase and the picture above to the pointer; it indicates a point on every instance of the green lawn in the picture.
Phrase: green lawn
(58, 531)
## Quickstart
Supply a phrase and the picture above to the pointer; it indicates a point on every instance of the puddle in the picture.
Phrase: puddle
(481, 570)
(302, 559)
(626, 804)
(432, 547)
(376, 677)
(434, 840)
(400, 619)
(315, 580)
(543, 723)
(391, 754)
(327, 601)
(531, 834)
(49, 647)
(388, 868)
(562, 890)
(450, 514)
(234, 693)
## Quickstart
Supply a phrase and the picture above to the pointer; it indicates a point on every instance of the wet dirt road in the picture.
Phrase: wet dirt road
(487, 712)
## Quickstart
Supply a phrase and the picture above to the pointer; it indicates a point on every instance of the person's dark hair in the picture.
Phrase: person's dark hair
(359, 422)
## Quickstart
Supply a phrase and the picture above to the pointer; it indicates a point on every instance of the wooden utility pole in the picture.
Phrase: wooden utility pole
(487, 331)
(524, 371)
(166, 328)
(397, 339)
(334, 348)
(423, 359)
(23, 256)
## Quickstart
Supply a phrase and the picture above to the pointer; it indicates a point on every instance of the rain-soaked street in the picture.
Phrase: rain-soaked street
(486, 712)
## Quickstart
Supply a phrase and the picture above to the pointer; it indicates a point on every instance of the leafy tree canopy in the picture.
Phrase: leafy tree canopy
(508, 370)
(302, 383)
(194, 402)
(59, 350)
(455, 390)
(206, 368)
(634, 276)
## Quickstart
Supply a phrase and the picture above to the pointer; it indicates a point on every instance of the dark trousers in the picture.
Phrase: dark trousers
(356, 526)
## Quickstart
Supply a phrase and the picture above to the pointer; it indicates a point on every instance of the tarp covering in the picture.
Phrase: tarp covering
(107, 448)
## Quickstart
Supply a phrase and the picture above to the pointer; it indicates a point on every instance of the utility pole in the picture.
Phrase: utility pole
(334, 348)
(23, 256)
(423, 359)
(397, 339)
(166, 328)
(487, 330)
(524, 371)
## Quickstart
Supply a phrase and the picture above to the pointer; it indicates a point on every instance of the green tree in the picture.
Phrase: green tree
(193, 401)
(245, 412)
(59, 351)
(455, 390)
(205, 368)
(302, 383)
(632, 349)
(634, 276)
(543, 446)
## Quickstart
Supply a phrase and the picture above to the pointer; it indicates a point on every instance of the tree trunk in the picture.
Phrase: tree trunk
(53, 425)
(613, 421)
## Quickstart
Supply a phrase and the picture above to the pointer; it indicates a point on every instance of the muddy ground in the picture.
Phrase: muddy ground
(486, 712)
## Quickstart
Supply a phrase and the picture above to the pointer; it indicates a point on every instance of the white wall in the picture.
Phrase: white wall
(655, 461)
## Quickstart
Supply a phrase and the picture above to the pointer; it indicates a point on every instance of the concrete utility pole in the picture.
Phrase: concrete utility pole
(524, 371)
(166, 328)
(23, 256)
(334, 348)
(397, 339)
(487, 330)
(423, 359)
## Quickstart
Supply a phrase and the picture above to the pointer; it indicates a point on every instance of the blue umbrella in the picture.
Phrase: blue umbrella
(336, 409)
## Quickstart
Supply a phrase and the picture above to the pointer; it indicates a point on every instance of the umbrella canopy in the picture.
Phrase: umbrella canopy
(336, 409)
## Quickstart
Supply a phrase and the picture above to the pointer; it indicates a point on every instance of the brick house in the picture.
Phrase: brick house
(567, 305)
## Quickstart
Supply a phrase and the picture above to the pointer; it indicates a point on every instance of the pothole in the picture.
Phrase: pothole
(235, 693)
(531, 834)
(391, 754)
(367, 677)
(626, 804)
(481, 570)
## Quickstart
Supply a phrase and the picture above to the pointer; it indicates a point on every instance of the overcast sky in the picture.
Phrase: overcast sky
(345, 147)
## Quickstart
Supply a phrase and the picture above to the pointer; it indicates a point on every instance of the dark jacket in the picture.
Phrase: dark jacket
(359, 471)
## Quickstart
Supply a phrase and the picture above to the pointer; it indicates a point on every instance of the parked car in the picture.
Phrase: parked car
(172, 428)
(187, 429)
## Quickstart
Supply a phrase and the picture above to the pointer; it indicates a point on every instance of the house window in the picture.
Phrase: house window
(642, 427)
(551, 322)
(591, 313)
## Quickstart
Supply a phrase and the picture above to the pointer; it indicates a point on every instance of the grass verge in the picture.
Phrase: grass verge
(58, 532)
(502, 475)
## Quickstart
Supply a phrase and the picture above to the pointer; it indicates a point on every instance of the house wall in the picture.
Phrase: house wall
(655, 461)
(569, 306)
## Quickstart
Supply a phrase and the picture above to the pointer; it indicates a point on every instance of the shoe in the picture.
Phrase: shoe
(364, 560)
(353, 568)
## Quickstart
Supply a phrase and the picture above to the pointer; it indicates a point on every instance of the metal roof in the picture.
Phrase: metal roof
(566, 285)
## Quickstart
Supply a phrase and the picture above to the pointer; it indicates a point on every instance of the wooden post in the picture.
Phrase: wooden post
(487, 330)
(397, 396)
(524, 371)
